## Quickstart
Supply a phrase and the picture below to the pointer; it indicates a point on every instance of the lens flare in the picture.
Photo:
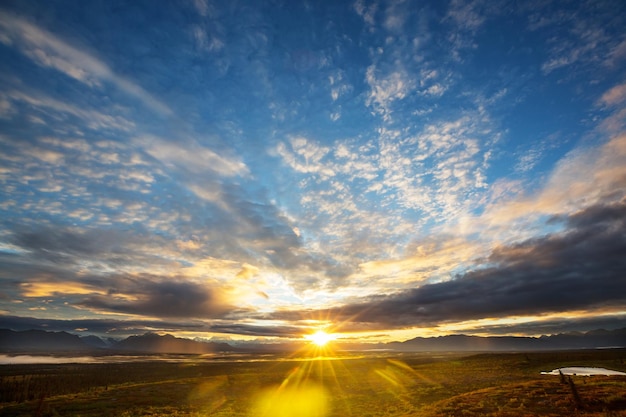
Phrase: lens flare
(296, 396)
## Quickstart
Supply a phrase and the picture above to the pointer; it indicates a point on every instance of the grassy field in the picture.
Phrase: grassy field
(402, 385)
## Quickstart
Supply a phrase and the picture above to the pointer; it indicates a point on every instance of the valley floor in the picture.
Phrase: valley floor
(498, 384)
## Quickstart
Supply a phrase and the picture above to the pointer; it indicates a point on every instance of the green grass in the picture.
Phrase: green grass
(406, 385)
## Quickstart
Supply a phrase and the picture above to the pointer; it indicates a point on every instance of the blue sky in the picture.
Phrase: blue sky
(257, 170)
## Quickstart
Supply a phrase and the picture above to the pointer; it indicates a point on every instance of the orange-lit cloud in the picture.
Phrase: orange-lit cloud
(49, 289)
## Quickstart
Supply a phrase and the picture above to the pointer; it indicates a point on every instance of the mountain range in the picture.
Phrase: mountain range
(43, 341)
(575, 340)
(30, 341)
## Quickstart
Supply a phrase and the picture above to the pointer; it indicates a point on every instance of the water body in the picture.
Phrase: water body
(584, 371)
(219, 357)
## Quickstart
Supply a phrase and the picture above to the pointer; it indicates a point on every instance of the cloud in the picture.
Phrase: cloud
(50, 289)
(261, 331)
(387, 88)
(202, 7)
(204, 41)
(614, 96)
(108, 271)
(575, 41)
(616, 55)
(356, 193)
(74, 246)
(367, 12)
(203, 171)
(466, 14)
(528, 158)
(163, 299)
(192, 157)
(305, 156)
(7, 109)
(465, 19)
(247, 272)
(49, 50)
(584, 177)
(83, 258)
(95, 120)
(396, 15)
(580, 269)
(428, 259)
(126, 232)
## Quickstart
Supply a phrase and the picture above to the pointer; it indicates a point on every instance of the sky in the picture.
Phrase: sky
(258, 170)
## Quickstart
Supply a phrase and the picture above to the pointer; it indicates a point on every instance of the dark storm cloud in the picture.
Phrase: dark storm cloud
(167, 299)
(581, 268)
(601, 215)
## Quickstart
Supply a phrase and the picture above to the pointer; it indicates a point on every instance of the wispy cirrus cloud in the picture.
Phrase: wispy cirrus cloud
(193, 157)
(205, 41)
(48, 50)
(202, 7)
(466, 14)
(574, 40)
(50, 107)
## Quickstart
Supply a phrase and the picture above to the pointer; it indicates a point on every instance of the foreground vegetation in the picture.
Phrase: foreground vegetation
(402, 385)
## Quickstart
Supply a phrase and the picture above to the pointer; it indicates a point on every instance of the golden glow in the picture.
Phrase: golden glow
(320, 338)
(296, 396)
(308, 400)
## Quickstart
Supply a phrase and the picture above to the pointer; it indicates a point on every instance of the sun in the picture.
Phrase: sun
(320, 338)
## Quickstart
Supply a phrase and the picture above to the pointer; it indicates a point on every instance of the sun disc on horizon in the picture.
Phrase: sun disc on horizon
(320, 338)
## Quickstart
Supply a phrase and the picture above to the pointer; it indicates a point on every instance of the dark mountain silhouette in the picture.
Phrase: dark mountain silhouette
(40, 341)
(94, 341)
(575, 340)
(54, 342)
(153, 343)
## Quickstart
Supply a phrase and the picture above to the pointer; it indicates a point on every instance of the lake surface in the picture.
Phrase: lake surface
(584, 371)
